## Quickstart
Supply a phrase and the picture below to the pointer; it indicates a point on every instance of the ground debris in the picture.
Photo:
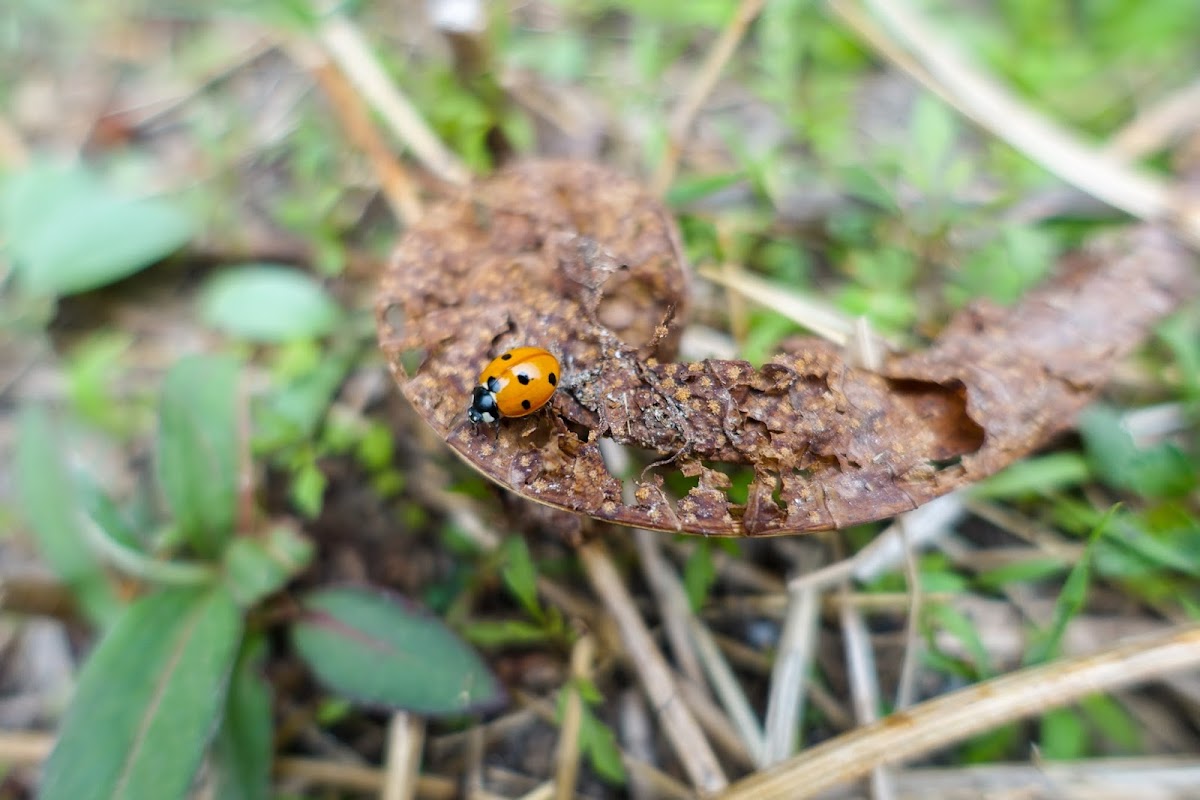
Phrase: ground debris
(582, 261)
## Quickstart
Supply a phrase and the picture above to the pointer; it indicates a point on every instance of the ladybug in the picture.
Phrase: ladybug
(516, 383)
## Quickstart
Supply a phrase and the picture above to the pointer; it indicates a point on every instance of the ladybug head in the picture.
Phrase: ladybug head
(483, 406)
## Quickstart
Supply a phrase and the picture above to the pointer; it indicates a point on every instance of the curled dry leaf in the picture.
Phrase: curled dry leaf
(574, 258)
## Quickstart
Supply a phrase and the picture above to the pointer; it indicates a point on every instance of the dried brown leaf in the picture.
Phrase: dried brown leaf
(580, 260)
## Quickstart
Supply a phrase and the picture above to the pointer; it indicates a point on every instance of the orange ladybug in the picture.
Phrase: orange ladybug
(515, 383)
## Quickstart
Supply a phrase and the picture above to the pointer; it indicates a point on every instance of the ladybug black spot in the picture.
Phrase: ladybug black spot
(525, 404)
(553, 379)
(506, 357)
(523, 378)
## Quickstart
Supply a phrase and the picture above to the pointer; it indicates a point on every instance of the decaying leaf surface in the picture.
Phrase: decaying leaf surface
(582, 261)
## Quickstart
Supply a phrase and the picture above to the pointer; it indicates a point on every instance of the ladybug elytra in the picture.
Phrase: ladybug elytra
(516, 383)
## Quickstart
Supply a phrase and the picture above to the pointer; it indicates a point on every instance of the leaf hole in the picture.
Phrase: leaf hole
(412, 358)
(395, 319)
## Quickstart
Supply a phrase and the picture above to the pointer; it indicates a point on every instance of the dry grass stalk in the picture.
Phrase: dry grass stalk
(398, 187)
(673, 607)
(789, 676)
(687, 740)
(402, 769)
(566, 759)
(348, 48)
(953, 717)
(984, 100)
(699, 89)
(700, 645)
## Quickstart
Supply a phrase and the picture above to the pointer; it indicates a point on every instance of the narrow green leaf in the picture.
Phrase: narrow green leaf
(505, 633)
(1113, 721)
(242, 749)
(1031, 569)
(55, 512)
(69, 234)
(600, 746)
(148, 700)
(268, 303)
(699, 573)
(962, 628)
(1035, 476)
(520, 575)
(993, 746)
(1180, 335)
(691, 189)
(198, 449)
(383, 651)
(1136, 551)
(1064, 735)
(1070, 600)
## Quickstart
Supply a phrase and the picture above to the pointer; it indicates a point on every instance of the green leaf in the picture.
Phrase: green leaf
(198, 449)
(505, 633)
(1161, 471)
(1113, 721)
(94, 370)
(688, 190)
(1181, 335)
(383, 651)
(55, 512)
(933, 131)
(243, 747)
(268, 303)
(1064, 736)
(292, 413)
(308, 485)
(993, 746)
(1136, 552)
(699, 573)
(1070, 600)
(148, 700)
(255, 568)
(68, 234)
(1026, 571)
(597, 742)
(962, 628)
(520, 575)
(1035, 476)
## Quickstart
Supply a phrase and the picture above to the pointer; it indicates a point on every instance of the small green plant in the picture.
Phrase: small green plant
(176, 670)
(596, 740)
